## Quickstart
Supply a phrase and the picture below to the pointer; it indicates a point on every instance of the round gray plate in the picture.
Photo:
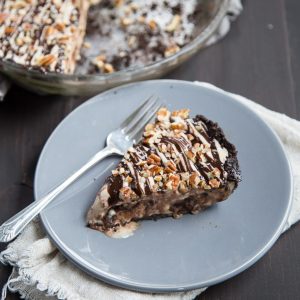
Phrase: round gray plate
(167, 255)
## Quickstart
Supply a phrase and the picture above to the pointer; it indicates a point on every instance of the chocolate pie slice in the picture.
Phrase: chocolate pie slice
(182, 165)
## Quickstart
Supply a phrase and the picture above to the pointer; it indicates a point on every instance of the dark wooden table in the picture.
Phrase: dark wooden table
(259, 59)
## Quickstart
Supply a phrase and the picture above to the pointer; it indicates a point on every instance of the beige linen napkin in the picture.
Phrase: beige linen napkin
(40, 270)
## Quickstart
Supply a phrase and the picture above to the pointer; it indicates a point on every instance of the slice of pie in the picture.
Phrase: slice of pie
(45, 35)
(180, 166)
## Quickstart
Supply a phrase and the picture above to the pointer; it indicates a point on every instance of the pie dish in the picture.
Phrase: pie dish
(182, 165)
(48, 35)
(93, 81)
(194, 251)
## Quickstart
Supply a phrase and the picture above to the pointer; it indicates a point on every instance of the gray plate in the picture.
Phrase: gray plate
(167, 255)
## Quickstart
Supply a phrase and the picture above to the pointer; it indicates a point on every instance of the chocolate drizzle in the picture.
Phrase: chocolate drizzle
(114, 186)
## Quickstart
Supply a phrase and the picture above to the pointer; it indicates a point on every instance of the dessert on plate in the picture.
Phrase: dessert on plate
(94, 36)
(182, 165)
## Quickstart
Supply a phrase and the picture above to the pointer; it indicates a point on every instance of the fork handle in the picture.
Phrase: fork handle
(12, 227)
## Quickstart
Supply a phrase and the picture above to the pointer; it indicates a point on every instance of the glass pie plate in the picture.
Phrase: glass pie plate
(88, 85)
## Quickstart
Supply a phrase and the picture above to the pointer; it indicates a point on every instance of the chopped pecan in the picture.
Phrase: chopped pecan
(194, 179)
(182, 113)
(49, 30)
(155, 170)
(163, 114)
(127, 194)
(108, 68)
(173, 25)
(171, 50)
(158, 178)
(178, 126)
(153, 159)
(182, 187)
(175, 179)
(171, 165)
(190, 137)
(46, 60)
(214, 183)
(10, 30)
(152, 24)
(3, 17)
(190, 155)
(149, 127)
(128, 179)
(126, 22)
(118, 3)
(60, 26)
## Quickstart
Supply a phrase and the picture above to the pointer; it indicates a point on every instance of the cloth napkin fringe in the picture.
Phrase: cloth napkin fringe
(29, 285)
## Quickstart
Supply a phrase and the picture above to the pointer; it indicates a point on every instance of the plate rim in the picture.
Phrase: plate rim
(132, 285)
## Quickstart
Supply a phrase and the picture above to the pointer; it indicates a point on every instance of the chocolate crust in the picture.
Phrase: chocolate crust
(231, 165)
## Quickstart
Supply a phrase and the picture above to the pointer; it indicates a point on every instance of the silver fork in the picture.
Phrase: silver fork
(117, 142)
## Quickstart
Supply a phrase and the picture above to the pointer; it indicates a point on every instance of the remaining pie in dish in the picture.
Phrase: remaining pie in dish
(94, 36)
(182, 165)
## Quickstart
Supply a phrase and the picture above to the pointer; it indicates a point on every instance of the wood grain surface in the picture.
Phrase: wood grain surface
(259, 58)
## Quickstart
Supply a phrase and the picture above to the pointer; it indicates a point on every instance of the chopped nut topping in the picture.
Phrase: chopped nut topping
(87, 45)
(127, 194)
(149, 127)
(182, 113)
(108, 68)
(128, 179)
(174, 23)
(126, 22)
(152, 24)
(155, 170)
(163, 114)
(194, 179)
(46, 60)
(174, 181)
(158, 178)
(10, 30)
(178, 126)
(3, 17)
(119, 3)
(190, 155)
(160, 163)
(154, 159)
(171, 50)
(134, 6)
(171, 165)
(214, 183)
(190, 137)
(141, 19)
(182, 187)
(60, 26)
